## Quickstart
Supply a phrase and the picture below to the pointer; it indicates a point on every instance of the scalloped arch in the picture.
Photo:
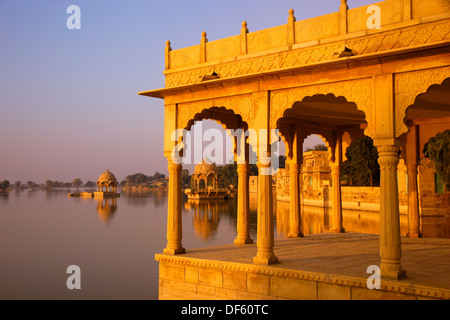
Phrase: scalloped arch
(240, 106)
(409, 86)
(359, 91)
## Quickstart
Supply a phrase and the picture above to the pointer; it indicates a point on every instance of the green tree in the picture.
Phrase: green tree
(361, 167)
(253, 170)
(158, 175)
(4, 185)
(438, 150)
(31, 184)
(137, 178)
(123, 183)
(77, 183)
(49, 184)
(185, 178)
(90, 184)
(317, 147)
(228, 175)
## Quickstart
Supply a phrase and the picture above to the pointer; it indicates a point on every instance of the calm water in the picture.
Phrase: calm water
(42, 233)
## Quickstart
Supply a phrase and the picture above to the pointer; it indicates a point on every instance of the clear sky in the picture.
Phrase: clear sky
(68, 98)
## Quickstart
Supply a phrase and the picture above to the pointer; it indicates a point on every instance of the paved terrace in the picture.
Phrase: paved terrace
(342, 259)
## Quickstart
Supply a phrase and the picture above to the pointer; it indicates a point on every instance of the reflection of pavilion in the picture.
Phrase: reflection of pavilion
(205, 183)
(206, 217)
(106, 208)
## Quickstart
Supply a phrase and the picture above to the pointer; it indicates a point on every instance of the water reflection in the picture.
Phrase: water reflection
(34, 266)
(106, 208)
(317, 220)
(206, 216)
(4, 196)
(158, 197)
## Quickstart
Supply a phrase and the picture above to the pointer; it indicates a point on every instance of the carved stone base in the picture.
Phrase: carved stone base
(265, 258)
(392, 271)
(415, 235)
(297, 234)
(174, 249)
(243, 241)
(338, 230)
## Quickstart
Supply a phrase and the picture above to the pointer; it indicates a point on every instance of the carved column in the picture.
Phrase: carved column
(390, 237)
(295, 225)
(413, 203)
(174, 226)
(243, 206)
(337, 200)
(265, 237)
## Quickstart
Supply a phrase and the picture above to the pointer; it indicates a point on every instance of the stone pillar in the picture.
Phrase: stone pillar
(337, 200)
(413, 203)
(174, 226)
(295, 224)
(390, 237)
(243, 206)
(265, 237)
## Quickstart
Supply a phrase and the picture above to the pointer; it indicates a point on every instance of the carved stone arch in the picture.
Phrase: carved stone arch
(411, 85)
(327, 138)
(240, 106)
(359, 91)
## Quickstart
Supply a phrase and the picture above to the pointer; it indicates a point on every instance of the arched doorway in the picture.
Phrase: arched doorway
(428, 116)
(338, 122)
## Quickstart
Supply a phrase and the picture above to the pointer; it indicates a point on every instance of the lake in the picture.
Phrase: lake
(114, 242)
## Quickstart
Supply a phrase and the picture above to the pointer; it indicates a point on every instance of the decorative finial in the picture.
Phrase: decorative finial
(291, 18)
(204, 34)
(168, 44)
(244, 26)
(344, 4)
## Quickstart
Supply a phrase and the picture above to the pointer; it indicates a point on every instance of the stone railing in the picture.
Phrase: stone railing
(246, 53)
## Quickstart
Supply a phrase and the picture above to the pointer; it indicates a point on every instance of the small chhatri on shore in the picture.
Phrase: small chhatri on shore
(106, 187)
(205, 183)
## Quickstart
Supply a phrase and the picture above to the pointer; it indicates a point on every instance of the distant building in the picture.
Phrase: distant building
(107, 185)
(204, 183)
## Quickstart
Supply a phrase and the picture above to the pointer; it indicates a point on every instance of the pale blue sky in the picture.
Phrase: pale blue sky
(68, 98)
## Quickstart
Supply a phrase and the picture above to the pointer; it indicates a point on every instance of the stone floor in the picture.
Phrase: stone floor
(426, 261)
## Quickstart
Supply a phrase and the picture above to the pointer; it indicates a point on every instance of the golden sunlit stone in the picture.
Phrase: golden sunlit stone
(339, 76)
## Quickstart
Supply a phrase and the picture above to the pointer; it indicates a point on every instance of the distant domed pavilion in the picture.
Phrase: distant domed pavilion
(107, 185)
(108, 180)
(205, 175)
(204, 182)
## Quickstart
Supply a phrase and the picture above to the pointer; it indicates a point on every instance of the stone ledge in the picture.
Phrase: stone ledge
(387, 286)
